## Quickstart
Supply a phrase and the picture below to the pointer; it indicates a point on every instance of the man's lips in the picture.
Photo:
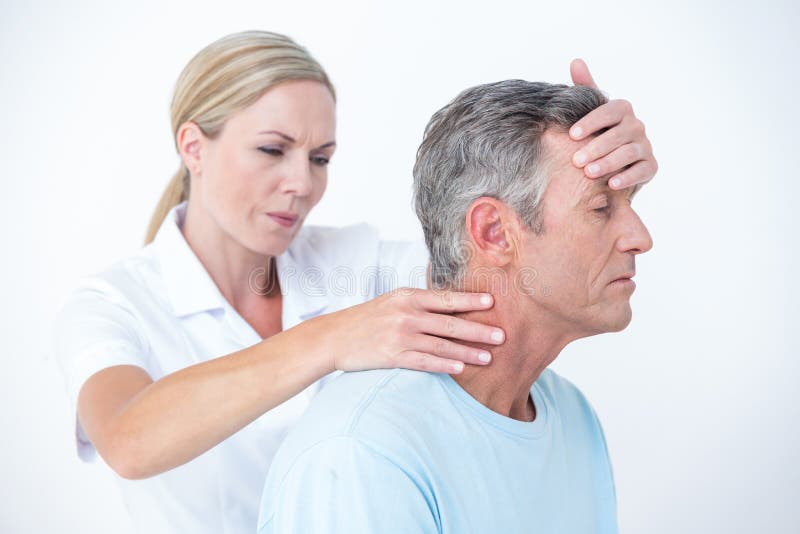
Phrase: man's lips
(284, 218)
(625, 276)
(624, 280)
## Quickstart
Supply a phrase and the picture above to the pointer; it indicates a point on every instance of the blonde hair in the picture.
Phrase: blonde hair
(225, 77)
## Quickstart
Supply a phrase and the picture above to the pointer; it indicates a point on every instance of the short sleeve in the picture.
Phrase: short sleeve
(402, 264)
(95, 329)
(341, 486)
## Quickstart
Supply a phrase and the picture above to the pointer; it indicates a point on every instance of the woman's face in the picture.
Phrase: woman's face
(260, 176)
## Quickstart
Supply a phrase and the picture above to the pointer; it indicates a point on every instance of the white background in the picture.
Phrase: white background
(697, 396)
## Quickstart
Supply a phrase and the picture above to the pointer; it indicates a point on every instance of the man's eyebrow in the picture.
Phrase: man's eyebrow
(603, 187)
(291, 139)
(594, 190)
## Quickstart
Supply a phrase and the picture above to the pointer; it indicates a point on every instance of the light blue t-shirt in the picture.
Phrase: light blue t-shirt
(399, 451)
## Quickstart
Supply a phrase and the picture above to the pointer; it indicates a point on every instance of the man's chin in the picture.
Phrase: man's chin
(621, 319)
(616, 319)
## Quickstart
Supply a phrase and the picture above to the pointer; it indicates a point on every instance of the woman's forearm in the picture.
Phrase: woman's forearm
(175, 419)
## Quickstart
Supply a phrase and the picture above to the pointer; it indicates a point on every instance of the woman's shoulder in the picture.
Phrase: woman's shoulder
(360, 249)
(330, 247)
(121, 282)
(338, 240)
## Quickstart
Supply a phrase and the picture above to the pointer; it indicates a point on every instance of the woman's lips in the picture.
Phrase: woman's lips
(287, 220)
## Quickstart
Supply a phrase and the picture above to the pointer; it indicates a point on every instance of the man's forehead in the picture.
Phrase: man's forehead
(565, 176)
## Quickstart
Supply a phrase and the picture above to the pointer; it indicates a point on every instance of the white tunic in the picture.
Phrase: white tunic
(159, 309)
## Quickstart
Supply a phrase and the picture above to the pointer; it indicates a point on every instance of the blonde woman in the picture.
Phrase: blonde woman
(188, 360)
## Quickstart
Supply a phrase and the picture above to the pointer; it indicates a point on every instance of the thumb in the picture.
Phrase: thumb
(580, 74)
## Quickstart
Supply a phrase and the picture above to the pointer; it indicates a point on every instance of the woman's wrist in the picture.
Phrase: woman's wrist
(309, 342)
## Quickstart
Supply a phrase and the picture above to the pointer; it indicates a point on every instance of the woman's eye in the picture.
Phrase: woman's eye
(271, 151)
(319, 160)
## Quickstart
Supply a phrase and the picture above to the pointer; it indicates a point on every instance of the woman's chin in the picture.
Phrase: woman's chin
(273, 243)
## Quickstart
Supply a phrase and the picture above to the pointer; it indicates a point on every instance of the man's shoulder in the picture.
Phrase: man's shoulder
(571, 404)
(380, 408)
(358, 403)
(349, 445)
(554, 383)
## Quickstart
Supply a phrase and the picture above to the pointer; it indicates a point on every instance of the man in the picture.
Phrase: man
(511, 447)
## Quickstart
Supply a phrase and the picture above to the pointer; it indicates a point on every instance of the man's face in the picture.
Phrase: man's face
(591, 237)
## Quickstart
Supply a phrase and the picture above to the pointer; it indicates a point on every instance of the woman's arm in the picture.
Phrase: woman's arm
(142, 427)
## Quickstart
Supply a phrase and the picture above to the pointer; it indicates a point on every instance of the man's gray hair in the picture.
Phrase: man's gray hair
(487, 142)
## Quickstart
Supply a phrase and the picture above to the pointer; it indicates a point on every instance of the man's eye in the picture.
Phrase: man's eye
(271, 151)
(601, 210)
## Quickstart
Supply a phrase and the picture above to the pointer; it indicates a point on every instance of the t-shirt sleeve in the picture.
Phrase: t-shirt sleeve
(343, 486)
(95, 329)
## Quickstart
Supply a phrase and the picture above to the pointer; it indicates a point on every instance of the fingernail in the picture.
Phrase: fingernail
(485, 357)
(614, 182)
(458, 367)
(593, 168)
(497, 335)
(580, 158)
(575, 132)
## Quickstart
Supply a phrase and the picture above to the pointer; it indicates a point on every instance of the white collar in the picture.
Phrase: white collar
(191, 289)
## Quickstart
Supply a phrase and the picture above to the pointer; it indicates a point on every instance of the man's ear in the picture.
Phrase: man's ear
(493, 230)
(190, 140)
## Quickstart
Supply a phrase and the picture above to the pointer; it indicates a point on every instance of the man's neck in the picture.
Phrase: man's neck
(532, 343)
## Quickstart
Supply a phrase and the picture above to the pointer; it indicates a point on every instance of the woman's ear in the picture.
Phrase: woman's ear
(190, 140)
(491, 230)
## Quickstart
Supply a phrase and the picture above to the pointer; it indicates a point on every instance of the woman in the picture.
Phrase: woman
(189, 360)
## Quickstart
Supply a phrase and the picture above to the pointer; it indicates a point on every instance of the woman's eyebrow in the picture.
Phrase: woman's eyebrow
(291, 139)
(326, 145)
(276, 132)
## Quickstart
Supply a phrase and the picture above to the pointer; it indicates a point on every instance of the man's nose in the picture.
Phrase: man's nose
(635, 237)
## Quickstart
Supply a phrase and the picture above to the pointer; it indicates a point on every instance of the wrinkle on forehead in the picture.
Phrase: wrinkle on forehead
(564, 176)
(580, 189)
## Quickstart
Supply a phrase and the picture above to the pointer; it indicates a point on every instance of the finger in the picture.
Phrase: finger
(452, 301)
(609, 114)
(639, 173)
(616, 161)
(460, 329)
(580, 73)
(622, 134)
(420, 361)
(444, 348)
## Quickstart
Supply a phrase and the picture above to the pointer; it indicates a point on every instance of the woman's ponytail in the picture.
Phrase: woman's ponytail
(177, 191)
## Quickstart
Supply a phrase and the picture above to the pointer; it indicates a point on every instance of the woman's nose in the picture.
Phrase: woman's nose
(298, 178)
